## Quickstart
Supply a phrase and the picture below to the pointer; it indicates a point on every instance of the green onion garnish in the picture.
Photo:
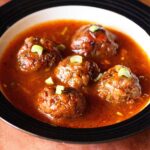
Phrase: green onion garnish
(37, 49)
(59, 89)
(76, 59)
(94, 28)
(124, 72)
(49, 81)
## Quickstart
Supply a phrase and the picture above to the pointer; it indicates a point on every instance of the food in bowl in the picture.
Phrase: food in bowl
(36, 53)
(60, 104)
(118, 84)
(94, 40)
(76, 74)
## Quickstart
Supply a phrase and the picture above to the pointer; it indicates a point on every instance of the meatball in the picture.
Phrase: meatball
(118, 84)
(64, 103)
(76, 72)
(36, 53)
(94, 41)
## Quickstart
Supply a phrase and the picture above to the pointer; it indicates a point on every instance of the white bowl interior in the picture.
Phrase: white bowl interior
(87, 13)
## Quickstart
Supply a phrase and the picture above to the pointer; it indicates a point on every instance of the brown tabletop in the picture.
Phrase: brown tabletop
(14, 139)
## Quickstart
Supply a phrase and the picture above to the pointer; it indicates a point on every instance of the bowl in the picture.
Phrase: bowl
(115, 15)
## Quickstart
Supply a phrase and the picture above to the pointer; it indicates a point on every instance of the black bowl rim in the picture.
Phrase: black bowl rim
(15, 10)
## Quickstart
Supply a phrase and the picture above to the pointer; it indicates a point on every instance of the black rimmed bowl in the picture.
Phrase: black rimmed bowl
(130, 17)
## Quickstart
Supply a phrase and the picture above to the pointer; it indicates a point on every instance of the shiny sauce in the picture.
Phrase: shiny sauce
(21, 88)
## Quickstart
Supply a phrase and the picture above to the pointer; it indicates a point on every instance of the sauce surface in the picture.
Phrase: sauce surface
(21, 88)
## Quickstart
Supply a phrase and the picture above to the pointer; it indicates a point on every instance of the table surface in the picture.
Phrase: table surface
(14, 139)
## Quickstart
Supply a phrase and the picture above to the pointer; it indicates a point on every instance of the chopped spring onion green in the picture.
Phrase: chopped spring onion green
(76, 59)
(37, 49)
(118, 67)
(49, 81)
(59, 89)
(94, 28)
(61, 47)
(124, 72)
(98, 77)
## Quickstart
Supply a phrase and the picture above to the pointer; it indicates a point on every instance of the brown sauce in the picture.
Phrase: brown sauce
(21, 88)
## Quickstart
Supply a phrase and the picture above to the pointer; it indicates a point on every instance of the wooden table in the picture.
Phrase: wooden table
(13, 139)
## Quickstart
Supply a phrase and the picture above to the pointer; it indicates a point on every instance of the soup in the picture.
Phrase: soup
(68, 85)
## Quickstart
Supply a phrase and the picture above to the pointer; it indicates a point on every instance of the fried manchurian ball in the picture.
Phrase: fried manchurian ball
(76, 72)
(94, 41)
(61, 102)
(118, 84)
(37, 53)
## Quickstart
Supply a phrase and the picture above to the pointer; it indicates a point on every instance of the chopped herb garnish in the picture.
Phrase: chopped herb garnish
(94, 28)
(76, 59)
(49, 81)
(37, 49)
(59, 89)
(124, 72)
